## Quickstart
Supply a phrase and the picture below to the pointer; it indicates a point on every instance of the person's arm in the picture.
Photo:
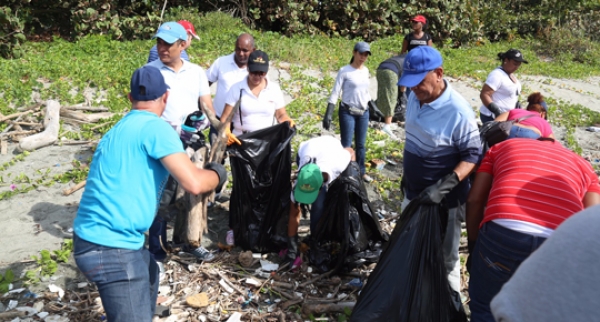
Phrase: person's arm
(282, 116)
(486, 95)
(207, 101)
(464, 169)
(294, 219)
(476, 202)
(337, 87)
(191, 179)
(502, 117)
(231, 138)
(430, 42)
(404, 46)
(591, 199)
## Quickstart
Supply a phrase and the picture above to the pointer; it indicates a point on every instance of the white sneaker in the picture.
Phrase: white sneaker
(367, 178)
(388, 131)
(161, 271)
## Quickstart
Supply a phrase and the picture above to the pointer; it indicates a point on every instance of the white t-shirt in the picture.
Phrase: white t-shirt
(225, 72)
(506, 93)
(185, 88)
(257, 112)
(328, 153)
(354, 85)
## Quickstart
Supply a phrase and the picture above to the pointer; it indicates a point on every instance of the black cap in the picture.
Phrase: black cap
(515, 55)
(258, 62)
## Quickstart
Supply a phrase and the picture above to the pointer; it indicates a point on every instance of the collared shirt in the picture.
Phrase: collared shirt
(225, 72)
(186, 87)
(354, 85)
(153, 55)
(256, 112)
(439, 135)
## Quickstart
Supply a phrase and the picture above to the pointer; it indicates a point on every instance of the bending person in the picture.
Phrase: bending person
(535, 125)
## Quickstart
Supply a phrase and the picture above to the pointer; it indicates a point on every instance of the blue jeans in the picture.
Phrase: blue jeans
(354, 126)
(126, 279)
(521, 132)
(498, 253)
(484, 118)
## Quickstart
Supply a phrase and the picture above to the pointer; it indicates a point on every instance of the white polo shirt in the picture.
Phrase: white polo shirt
(257, 112)
(328, 153)
(506, 93)
(225, 72)
(186, 86)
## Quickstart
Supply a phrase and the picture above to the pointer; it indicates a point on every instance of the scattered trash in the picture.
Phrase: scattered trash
(356, 282)
(12, 304)
(198, 300)
(251, 281)
(378, 164)
(235, 317)
(17, 290)
(593, 129)
(268, 266)
(225, 286)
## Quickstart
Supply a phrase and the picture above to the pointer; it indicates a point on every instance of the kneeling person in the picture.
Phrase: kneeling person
(320, 161)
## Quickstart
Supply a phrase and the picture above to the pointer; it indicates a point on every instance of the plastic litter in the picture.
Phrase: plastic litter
(56, 289)
(268, 266)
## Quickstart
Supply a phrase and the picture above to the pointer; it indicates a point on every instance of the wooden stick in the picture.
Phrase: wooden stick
(319, 308)
(75, 142)
(26, 124)
(315, 279)
(87, 108)
(15, 115)
(99, 126)
(78, 186)
(13, 133)
(80, 116)
(6, 316)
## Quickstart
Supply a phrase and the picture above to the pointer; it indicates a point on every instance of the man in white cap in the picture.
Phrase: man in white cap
(188, 89)
(442, 146)
(191, 31)
(320, 161)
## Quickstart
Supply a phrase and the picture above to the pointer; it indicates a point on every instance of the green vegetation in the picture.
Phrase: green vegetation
(48, 262)
(6, 280)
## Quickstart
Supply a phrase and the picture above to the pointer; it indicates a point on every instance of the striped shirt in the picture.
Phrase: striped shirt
(538, 182)
(439, 135)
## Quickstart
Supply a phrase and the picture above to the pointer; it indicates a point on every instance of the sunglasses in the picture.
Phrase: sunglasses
(258, 74)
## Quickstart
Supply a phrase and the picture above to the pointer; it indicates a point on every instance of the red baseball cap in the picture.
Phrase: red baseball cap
(419, 18)
(189, 28)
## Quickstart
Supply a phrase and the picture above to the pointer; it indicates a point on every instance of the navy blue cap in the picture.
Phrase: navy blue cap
(417, 63)
(362, 47)
(147, 84)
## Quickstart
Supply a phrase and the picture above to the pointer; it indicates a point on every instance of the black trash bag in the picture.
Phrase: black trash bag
(400, 110)
(410, 281)
(260, 199)
(348, 233)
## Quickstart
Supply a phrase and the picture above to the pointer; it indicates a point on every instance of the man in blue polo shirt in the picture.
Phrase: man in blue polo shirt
(442, 146)
(128, 173)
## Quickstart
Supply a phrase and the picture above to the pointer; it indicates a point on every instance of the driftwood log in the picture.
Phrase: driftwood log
(83, 117)
(50, 133)
(195, 221)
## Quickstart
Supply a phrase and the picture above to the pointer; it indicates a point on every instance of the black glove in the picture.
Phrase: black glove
(375, 110)
(221, 172)
(471, 247)
(436, 192)
(328, 116)
(292, 252)
(495, 109)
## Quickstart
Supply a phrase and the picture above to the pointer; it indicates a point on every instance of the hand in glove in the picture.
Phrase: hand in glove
(495, 109)
(328, 116)
(231, 138)
(221, 172)
(437, 191)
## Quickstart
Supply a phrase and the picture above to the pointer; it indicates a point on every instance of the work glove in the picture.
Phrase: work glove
(495, 109)
(437, 191)
(197, 120)
(328, 116)
(231, 138)
(471, 247)
(221, 172)
(289, 120)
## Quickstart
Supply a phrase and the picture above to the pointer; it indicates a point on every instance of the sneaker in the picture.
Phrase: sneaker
(161, 270)
(202, 254)
(229, 238)
(388, 131)
(367, 178)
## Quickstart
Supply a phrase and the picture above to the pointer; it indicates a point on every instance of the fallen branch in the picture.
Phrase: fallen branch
(15, 115)
(50, 134)
(319, 308)
(7, 316)
(80, 116)
(316, 279)
(100, 126)
(87, 108)
(78, 186)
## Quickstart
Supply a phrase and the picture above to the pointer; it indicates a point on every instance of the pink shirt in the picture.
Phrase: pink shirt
(536, 121)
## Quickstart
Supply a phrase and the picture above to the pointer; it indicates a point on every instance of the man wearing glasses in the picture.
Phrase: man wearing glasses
(442, 146)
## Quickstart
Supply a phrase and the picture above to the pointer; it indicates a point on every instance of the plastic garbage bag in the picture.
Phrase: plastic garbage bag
(260, 198)
(410, 282)
(348, 233)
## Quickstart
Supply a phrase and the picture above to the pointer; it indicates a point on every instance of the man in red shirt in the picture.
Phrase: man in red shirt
(523, 190)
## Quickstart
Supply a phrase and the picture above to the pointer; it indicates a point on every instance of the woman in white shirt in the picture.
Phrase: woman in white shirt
(353, 82)
(501, 90)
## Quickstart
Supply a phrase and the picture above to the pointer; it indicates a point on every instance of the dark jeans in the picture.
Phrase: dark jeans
(126, 279)
(156, 233)
(498, 253)
(484, 118)
(316, 209)
(353, 126)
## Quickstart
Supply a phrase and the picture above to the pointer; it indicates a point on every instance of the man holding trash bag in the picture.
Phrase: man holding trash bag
(442, 146)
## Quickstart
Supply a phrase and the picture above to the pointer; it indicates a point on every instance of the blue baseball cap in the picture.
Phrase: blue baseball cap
(362, 47)
(147, 84)
(417, 63)
(171, 32)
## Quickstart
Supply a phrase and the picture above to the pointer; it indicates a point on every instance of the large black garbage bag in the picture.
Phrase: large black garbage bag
(348, 233)
(410, 281)
(260, 198)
